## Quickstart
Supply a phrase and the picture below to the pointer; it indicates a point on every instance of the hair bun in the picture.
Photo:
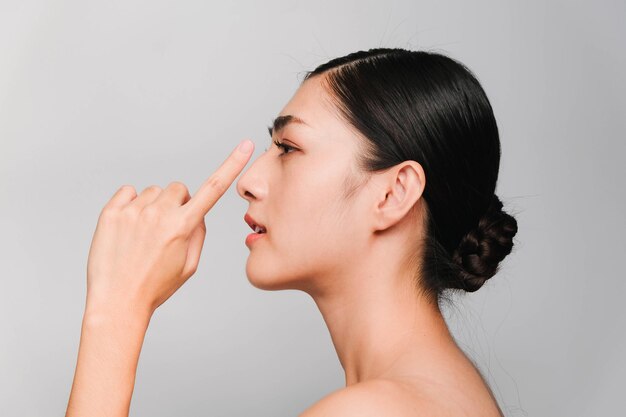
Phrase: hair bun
(482, 248)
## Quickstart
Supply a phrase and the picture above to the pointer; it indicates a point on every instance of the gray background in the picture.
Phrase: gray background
(94, 95)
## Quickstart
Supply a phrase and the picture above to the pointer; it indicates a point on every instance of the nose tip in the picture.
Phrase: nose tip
(244, 184)
(241, 188)
(252, 184)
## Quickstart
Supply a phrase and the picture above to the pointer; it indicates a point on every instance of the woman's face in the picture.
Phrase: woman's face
(314, 228)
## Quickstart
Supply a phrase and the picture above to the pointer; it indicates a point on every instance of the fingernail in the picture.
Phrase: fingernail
(245, 146)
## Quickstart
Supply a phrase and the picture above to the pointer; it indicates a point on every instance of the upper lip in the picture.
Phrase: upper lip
(252, 223)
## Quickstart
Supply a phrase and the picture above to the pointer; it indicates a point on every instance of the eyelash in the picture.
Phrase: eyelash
(284, 147)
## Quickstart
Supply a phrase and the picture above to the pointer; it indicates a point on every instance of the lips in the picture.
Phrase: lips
(254, 225)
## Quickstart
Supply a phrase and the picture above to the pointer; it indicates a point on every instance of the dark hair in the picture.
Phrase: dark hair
(427, 107)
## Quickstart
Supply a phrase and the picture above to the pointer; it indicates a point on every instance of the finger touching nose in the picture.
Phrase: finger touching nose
(216, 185)
(252, 184)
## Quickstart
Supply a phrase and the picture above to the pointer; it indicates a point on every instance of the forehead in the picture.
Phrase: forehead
(312, 103)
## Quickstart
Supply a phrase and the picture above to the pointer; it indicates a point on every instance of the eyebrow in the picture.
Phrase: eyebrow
(281, 121)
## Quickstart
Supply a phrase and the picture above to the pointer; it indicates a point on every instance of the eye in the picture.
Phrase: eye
(284, 147)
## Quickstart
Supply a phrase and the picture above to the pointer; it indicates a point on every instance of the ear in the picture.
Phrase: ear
(402, 186)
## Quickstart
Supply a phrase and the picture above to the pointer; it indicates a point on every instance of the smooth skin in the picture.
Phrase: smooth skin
(347, 239)
(352, 241)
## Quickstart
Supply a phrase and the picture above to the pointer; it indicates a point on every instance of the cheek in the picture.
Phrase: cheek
(308, 198)
(302, 215)
(313, 218)
(311, 233)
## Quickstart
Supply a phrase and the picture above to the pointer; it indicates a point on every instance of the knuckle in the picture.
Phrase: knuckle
(127, 187)
(178, 186)
(108, 214)
(183, 225)
(153, 188)
(175, 232)
(151, 213)
(132, 211)
(216, 183)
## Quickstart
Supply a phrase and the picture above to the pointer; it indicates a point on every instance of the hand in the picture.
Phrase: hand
(146, 246)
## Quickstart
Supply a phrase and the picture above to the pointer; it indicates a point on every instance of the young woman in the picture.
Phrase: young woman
(377, 199)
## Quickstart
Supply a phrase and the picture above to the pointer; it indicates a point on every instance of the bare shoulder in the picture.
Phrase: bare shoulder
(378, 397)
(415, 397)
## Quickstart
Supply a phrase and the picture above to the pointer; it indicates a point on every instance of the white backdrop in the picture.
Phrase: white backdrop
(97, 94)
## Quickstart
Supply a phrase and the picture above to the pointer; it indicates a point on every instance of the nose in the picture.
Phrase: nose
(251, 185)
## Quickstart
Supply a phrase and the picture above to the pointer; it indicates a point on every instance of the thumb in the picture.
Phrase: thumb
(196, 242)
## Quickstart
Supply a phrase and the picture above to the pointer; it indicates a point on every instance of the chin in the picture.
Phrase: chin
(264, 279)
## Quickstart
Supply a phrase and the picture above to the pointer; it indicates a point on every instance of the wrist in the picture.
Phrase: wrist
(110, 346)
(128, 315)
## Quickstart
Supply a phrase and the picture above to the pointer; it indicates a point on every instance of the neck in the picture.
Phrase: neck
(378, 321)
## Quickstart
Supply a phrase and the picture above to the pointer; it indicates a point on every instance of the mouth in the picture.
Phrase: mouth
(254, 225)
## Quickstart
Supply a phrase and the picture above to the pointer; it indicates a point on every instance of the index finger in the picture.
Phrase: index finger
(216, 185)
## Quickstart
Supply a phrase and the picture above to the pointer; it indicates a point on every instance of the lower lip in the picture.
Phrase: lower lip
(253, 237)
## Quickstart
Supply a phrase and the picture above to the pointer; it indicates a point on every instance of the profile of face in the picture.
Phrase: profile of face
(311, 198)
